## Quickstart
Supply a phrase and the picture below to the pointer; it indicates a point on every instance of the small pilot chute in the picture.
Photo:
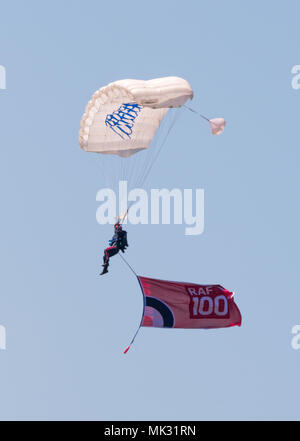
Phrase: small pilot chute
(217, 125)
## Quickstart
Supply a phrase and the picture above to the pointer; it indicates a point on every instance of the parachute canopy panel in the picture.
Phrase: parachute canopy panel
(122, 117)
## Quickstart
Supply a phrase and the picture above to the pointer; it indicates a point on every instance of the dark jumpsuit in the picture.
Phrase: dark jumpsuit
(117, 243)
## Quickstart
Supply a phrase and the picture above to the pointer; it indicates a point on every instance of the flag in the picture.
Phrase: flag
(170, 304)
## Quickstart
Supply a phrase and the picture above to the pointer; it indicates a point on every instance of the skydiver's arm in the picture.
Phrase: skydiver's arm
(112, 240)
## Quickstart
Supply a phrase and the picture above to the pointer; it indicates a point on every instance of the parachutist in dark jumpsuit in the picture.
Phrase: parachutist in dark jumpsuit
(117, 243)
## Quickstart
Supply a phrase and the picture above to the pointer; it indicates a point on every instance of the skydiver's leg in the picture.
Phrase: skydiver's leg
(106, 257)
(105, 270)
(112, 251)
(108, 252)
(105, 261)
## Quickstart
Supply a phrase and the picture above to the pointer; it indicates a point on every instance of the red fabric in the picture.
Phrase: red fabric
(187, 305)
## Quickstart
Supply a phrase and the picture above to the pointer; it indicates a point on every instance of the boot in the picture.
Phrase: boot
(105, 270)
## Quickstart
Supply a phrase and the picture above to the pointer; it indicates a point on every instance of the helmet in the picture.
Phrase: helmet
(118, 226)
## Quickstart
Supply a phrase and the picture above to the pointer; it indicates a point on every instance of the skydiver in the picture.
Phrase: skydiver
(117, 243)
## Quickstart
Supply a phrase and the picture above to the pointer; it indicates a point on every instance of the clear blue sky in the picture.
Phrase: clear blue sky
(66, 327)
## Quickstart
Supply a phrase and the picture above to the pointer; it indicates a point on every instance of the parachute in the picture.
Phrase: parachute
(128, 121)
(122, 118)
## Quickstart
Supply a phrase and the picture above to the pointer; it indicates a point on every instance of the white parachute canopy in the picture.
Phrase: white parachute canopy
(122, 117)
(128, 122)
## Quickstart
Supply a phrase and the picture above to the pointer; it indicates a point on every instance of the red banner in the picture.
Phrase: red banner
(187, 305)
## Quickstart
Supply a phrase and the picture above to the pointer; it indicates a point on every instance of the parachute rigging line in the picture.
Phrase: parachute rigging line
(143, 177)
(129, 266)
(195, 111)
(217, 125)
